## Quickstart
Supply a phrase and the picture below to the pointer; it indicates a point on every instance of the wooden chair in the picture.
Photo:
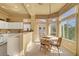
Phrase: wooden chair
(57, 44)
(46, 45)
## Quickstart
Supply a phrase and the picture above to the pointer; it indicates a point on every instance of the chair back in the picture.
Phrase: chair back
(59, 42)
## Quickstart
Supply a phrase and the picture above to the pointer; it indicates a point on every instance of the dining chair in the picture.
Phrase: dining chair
(45, 44)
(57, 44)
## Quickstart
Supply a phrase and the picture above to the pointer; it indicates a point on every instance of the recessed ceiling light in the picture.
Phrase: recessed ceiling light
(27, 5)
(3, 6)
(15, 6)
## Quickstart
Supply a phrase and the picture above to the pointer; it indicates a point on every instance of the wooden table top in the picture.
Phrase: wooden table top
(51, 37)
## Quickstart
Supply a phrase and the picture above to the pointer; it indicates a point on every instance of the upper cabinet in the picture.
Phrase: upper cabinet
(11, 25)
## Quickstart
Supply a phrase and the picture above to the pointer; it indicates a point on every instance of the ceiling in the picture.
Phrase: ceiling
(13, 8)
(43, 9)
(31, 8)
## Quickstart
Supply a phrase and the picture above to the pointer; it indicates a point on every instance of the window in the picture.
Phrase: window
(69, 28)
(42, 27)
(53, 27)
(69, 12)
(68, 24)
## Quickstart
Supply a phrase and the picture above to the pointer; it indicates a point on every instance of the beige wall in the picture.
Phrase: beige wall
(69, 45)
(77, 35)
(16, 18)
(34, 27)
(25, 44)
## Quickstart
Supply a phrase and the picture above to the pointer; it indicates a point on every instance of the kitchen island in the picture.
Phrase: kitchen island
(18, 44)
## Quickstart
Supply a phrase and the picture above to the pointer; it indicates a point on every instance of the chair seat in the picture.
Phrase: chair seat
(54, 44)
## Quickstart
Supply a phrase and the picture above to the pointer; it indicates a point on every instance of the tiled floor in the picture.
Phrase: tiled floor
(3, 50)
(34, 50)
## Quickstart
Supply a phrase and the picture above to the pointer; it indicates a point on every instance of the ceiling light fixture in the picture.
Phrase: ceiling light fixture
(3, 6)
(15, 6)
(27, 5)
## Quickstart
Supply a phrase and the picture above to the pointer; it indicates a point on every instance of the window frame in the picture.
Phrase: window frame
(67, 18)
(50, 24)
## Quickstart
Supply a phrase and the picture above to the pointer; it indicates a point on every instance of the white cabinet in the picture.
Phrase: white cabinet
(3, 24)
(15, 25)
(19, 45)
(11, 25)
(13, 44)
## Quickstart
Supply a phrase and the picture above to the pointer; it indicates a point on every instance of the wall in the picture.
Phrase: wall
(77, 52)
(16, 18)
(70, 46)
(25, 44)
